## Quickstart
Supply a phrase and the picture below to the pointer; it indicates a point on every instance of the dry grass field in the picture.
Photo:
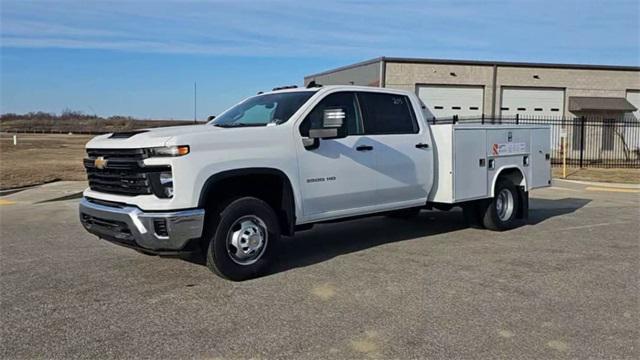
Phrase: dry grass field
(40, 158)
(80, 124)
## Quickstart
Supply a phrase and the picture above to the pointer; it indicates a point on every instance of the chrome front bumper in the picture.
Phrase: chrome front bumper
(130, 226)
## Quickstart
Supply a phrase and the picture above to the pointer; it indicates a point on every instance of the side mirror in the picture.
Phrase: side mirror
(211, 117)
(333, 118)
(332, 125)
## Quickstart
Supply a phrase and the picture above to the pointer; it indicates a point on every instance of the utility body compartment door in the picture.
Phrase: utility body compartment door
(540, 158)
(507, 148)
(470, 167)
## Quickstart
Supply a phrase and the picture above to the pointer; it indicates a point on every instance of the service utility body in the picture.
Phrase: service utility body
(281, 161)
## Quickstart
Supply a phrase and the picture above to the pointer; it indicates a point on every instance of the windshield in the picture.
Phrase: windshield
(263, 109)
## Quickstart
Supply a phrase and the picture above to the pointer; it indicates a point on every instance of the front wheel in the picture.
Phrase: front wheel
(500, 212)
(241, 239)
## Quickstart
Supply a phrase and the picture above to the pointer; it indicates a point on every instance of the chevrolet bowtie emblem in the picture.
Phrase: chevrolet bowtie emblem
(100, 162)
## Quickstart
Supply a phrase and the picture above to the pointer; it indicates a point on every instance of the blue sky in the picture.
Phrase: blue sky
(141, 58)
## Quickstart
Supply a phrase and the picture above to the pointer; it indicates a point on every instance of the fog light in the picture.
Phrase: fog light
(160, 227)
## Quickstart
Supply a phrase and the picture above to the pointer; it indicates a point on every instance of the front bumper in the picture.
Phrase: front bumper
(155, 232)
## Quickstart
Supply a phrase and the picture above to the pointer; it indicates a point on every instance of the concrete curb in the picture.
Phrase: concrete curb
(9, 191)
(61, 190)
(600, 184)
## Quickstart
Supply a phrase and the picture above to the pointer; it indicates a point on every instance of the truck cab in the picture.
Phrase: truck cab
(284, 160)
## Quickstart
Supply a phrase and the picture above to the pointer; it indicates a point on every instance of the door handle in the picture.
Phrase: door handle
(364, 148)
(422, 146)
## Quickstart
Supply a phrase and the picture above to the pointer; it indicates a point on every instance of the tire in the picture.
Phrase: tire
(404, 213)
(500, 212)
(241, 239)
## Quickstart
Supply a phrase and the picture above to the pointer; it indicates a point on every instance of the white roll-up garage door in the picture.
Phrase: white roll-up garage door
(532, 102)
(449, 100)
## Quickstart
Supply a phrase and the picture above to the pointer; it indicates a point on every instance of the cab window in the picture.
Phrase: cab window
(387, 114)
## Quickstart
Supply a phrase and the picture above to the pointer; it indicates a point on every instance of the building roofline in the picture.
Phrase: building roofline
(347, 67)
(481, 63)
(513, 64)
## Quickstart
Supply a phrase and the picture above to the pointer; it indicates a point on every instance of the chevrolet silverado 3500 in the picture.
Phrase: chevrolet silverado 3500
(281, 161)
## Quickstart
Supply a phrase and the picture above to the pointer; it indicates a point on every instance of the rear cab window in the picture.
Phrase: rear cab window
(387, 114)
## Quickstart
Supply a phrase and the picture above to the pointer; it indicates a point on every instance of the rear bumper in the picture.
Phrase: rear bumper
(156, 232)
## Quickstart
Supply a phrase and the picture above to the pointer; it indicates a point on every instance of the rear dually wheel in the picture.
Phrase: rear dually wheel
(499, 213)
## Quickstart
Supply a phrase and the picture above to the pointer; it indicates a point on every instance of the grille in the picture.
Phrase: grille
(124, 172)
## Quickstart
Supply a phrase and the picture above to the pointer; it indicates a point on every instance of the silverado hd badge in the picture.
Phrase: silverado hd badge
(321, 179)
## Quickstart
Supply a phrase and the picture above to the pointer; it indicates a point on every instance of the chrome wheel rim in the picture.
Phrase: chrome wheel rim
(247, 240)
(504, 204)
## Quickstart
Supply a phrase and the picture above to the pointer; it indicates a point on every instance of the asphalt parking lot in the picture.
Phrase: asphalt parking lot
(564, 286)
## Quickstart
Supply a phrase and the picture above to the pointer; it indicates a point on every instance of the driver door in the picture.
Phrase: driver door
(337, 178)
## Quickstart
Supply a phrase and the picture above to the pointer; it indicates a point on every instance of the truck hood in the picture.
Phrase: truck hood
(155, 137)
(199, 137)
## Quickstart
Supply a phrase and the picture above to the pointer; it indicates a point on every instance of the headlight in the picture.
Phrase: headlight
(180, 150)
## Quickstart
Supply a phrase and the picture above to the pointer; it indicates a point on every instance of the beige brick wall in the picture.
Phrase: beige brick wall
(406, 76)
(576, 82)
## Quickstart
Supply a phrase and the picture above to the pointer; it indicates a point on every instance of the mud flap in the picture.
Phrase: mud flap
(523, 209)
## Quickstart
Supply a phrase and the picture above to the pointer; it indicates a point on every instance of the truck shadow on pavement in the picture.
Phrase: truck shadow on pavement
(327, 241)
(543, 209)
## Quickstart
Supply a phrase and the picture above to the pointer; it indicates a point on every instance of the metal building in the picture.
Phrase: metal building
(473, 88)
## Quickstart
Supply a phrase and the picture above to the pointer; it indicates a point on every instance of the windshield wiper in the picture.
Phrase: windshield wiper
(232, 125)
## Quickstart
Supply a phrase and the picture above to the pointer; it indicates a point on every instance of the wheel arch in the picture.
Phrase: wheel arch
(513, 173)
(239, 182)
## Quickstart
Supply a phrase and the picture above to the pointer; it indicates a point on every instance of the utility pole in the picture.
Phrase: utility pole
(195, 102)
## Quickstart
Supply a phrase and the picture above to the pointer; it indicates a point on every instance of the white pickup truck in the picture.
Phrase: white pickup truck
(282, 161)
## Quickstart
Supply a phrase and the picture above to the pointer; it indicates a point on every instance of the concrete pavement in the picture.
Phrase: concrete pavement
(564, 286)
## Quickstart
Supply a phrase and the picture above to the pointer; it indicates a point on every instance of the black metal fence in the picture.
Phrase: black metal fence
(594, 141)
